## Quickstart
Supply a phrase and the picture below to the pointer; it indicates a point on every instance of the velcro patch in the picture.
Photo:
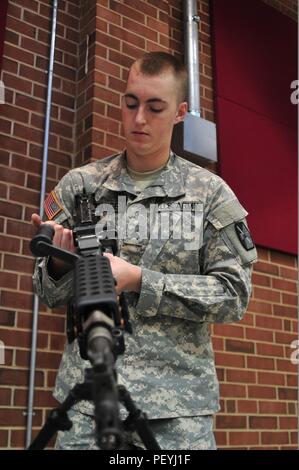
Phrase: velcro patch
(52, 206)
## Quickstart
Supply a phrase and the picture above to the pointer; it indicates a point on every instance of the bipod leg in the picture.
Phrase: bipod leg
(137, 420)
(58, 419)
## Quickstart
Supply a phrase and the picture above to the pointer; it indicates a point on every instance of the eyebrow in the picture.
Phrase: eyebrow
(151, 100)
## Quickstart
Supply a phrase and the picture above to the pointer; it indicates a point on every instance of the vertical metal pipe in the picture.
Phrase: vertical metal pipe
(191, 20)
(41, 213)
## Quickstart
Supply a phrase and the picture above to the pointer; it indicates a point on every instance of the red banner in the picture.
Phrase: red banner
(255, 62)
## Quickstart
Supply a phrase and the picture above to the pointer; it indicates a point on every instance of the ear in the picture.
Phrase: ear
(181, 112)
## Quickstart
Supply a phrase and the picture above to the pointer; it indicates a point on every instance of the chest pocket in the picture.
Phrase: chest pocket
(179, 251)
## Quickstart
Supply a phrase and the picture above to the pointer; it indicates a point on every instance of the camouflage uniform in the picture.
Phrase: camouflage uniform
(168, 365)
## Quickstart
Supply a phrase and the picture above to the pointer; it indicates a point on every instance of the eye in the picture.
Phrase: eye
(154, 110)
(130, 102)
(131, 106)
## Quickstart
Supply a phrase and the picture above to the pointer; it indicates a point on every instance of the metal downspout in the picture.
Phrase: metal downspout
(41, 213)
(191, 20)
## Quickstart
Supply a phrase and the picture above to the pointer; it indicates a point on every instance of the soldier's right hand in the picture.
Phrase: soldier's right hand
(63, 237)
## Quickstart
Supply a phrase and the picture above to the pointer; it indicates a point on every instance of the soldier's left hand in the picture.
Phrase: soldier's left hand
(127, 275)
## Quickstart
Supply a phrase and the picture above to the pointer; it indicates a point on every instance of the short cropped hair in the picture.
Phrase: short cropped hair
(157, 62)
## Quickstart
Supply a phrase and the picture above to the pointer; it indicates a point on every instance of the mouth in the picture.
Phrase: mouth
(139, 133)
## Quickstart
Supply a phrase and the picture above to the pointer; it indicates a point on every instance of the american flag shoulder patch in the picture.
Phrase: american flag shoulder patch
(52, 206)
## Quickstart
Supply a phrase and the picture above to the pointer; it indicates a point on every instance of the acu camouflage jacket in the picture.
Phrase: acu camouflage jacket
(168, 365)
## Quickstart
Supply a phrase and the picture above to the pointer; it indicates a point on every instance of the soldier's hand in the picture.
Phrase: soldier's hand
(127, 275)
(63, 237)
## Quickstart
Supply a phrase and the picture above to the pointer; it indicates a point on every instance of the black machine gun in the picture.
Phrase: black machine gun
(98, 318)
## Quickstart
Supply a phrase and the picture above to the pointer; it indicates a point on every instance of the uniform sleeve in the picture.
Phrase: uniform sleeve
(52, 292)
(221, 292)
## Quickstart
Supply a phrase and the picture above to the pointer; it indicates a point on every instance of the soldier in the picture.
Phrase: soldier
(176, 285)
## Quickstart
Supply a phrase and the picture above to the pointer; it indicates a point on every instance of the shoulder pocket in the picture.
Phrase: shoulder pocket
(229, 220)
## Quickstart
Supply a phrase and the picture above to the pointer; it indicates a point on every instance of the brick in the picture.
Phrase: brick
(9, 244)
(159, 26)
(287, 422)
(258, 306)
(220, 437)
(287, 393)
(230, 422)
(239, 346)
(244, 376)
(262, 422)
(254, 362)
(5, 127)
(12, 145)
(57, 342)
(292, 380)
(15, 417)
(269, 350)
(247, 406)
(233, 331)
(261, 392)
(17, 83)
(19, 54)
(226, 359)
(3, 438)
(283, 258)
(232, 390)
(282, 311)
(15, 377)
(268, 322)
(289, 299)
(13, 23)
(284, 285)
(230, 406)
(266, 268)
(18, 263)
(271, 378)
(7, 317)
(42, 398)
(218, 344)
(10, 210)
(261, 280)
(44, 360)
(5, 396)
(31, 104)
(243, 438)
(266, 294)
(16, 300)
(126, 11)
(127, 35)
(8, 280)
(259, 335)
(289, 273)
(274, 437)
(272, 407)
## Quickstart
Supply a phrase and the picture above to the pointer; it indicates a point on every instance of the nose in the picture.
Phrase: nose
(140, 116)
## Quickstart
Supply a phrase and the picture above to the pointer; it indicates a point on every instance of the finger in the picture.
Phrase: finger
(36, 220)
(66, 239)
(72, 243)
(58, 235)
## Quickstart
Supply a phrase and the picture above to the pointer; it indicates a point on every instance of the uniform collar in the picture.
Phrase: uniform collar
(170, 182)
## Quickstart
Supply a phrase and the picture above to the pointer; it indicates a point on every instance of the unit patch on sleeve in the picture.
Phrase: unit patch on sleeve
(244, 236)
(52, 206)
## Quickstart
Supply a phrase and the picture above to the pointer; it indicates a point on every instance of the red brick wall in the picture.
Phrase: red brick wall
(258, 381)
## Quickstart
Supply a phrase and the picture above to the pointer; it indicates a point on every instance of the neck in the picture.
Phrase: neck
(146, 162)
